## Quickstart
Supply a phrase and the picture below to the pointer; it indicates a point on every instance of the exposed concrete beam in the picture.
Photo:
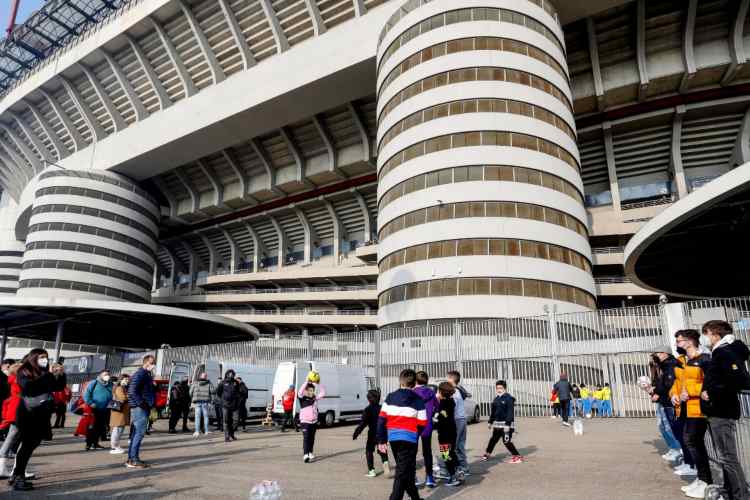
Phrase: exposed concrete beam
(78, 142)
(675, 159)
(319, 27)
(338, 229)
(737, 43)
(640, 50)
(213, 255)
(29, 155)
(234, 250)
(216, 184)
(299, 160)
(248, 59)
(367, 155)
(213, 63)
(176, 263)
(281, 238)
(259, 247)
(15, 174)
(310, 234)
(260, 152)
(243, 179)
(173, 203)
(161, 93)
(614, 183)
(359, 8)
(174, 57)
(133, 99)
(12, 158)
(109, 106)
(741, 153)
(282, 44)
(366, 216)
(192, 260)
(36, 141)
(57, 143)
(688, 46)
(195, 197)
(596, 69)
(97, 132)
(328, 141)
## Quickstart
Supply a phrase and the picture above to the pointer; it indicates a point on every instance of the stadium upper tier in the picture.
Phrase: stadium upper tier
(256, 127)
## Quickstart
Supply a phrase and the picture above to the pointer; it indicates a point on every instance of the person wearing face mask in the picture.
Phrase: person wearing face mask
(97, 395)
(4, 385)
(119, 418)
(201, 395)
(141, 398)
(228, 393)
(37, 384)
(726, 376)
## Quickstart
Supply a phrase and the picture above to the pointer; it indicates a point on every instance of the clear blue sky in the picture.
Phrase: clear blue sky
(26, 7)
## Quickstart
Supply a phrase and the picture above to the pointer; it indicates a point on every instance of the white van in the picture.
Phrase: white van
(345, 386)
(258, 379)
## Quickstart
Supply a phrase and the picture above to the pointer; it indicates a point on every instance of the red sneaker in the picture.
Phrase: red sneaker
(518, 459)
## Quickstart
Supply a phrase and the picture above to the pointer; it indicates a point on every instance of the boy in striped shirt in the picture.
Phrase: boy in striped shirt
(401, 421)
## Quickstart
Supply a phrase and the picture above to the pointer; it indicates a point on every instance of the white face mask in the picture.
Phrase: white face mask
(123, 382)
(6, 372)
(105, 378)
(42, 362)
(705, 341)
(150, 368)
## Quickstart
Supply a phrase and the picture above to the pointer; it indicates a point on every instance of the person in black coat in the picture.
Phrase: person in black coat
(33, 418)
(502, 417)
(242, 407)
(370, 421)
(228, 393)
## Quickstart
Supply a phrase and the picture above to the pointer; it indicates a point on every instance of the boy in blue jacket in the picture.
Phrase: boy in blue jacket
(501, 422)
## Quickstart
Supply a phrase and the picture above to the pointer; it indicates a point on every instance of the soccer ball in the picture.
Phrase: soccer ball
(313, 377)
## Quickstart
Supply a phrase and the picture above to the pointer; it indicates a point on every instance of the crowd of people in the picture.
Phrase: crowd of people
(697, 392)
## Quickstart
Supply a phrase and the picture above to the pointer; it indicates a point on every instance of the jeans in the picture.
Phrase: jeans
(665, 428)
(565, 409)
(11, 442)
(606, 408)
(695, 432)
(427, 453)
(116, 435)
(139, 419)
(308, 437)
(463, 464)
(406, 469)
(201, 411)
(370, 449)
(587, 406)
(723, 436)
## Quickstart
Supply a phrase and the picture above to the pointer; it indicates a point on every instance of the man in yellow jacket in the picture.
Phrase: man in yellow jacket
(686, 398)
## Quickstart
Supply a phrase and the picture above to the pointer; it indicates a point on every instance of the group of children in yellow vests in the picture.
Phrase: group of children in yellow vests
(586, 401)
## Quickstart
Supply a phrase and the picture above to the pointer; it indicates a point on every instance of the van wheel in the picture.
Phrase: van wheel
(329, 419)
(477, 415)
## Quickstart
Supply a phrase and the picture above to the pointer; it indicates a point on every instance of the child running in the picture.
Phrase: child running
(445, 422)
(309, 394)
(501, 422)
(370, 420)
(402, 419)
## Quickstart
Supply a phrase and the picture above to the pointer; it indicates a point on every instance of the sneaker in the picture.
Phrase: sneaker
(196, 434)
(686, 471)
(518, 459)
(418, 483)
(671, 455)
(387, 469)
(442, 475)
(698, 490)
(566, 424)
(22, 485)
(689, 486)
(454, 481)
(465, 472)
(553, 417)
(116, 451)
(371, 473)
(306, 458)
(311, 457)
(429, 482)
(136, 464)
(484, 457)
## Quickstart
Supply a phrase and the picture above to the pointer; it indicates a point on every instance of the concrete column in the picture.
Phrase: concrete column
(614, 185)
(58, 339)
(3, 343)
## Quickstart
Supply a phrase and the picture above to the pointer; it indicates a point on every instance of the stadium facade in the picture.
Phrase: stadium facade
(318, 165)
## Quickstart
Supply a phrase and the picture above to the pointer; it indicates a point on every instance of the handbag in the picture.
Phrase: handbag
(34, 402)
(115, 405)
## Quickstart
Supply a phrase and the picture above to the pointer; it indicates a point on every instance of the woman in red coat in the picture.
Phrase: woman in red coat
(9, 410)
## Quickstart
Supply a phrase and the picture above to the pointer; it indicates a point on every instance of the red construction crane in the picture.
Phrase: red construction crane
(12, 20)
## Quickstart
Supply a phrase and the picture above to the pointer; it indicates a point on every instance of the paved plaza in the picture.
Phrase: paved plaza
(617, 458)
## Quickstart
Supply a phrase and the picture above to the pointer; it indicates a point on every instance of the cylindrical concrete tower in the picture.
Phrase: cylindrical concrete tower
(11, 250)
(480, 195)
(93, 235)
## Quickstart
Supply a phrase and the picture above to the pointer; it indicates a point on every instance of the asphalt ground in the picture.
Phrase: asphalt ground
(614, 459)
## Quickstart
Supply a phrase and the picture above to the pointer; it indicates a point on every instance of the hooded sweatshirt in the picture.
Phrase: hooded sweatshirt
(430, 405)
(308, 412)
(725, 378)
(503, 410)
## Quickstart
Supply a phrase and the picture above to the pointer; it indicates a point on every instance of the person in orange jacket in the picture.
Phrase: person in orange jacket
(555, 402)
(287, 402)
(686, 397)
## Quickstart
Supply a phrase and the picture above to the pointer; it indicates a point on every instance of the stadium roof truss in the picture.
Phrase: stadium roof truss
(50, 28)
